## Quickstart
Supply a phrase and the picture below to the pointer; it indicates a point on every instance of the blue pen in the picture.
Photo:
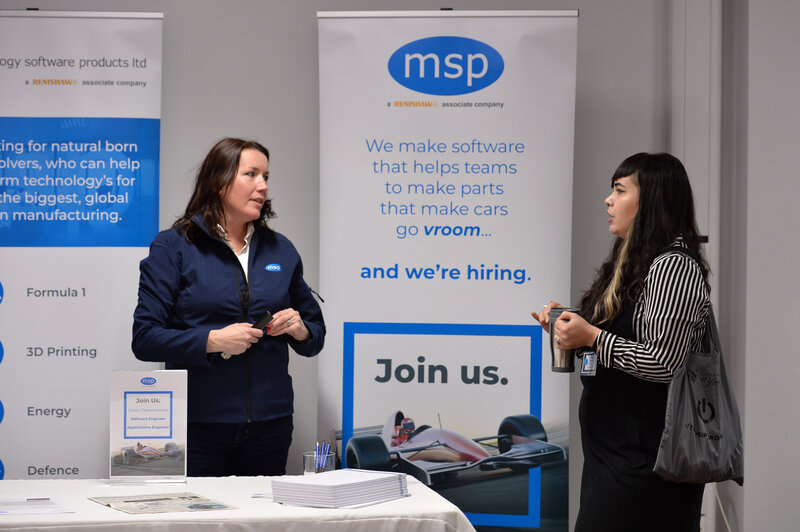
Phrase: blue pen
(325, 448)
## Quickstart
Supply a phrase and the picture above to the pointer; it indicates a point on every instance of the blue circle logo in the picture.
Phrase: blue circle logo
(446, 65)
(1, 351)
(1, 411)
(1, 292)
(2, 470)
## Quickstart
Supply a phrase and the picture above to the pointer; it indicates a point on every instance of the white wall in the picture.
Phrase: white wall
(732, 310)
(772, 264)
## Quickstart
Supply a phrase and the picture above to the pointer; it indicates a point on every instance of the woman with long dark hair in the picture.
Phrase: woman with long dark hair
(206, 281)
(645, 310)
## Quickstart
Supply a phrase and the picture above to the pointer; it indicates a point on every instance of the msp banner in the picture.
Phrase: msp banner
(446, 185)
(79, 157)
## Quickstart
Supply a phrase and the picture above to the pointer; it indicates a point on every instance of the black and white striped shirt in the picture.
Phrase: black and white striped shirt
(668, 319)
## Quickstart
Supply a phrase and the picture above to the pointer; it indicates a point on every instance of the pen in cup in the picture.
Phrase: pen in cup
(319, 460)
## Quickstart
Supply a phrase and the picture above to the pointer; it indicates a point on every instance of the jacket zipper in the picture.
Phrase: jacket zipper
(244, 302)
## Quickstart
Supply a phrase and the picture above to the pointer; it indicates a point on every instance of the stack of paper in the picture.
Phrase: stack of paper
(339, 489)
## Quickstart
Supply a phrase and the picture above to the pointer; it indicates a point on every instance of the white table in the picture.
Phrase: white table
(423, 511)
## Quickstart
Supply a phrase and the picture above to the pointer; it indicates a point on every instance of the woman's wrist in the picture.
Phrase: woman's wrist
(211, 344)
(304, 337)
(595, 338)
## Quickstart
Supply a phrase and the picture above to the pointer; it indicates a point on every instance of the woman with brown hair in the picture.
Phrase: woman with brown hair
(206, 281)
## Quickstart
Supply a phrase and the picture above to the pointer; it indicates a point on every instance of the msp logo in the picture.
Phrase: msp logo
(1, 411)
(273, 267)
(148, 381)
(446, 65)
(1, 292)
(1, 351)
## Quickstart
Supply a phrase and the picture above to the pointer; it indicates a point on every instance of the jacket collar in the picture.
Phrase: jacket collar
(197, 219)
(219, 232)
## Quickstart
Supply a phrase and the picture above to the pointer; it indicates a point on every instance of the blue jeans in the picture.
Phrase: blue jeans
(241, 449)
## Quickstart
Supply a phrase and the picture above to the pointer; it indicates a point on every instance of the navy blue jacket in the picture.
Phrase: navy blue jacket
(186, 289)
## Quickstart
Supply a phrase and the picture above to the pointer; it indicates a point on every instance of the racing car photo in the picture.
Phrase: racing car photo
(147, 459)
(479, 475)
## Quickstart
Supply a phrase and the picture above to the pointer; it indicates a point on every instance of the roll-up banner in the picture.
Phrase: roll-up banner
(79, 157)
(446, 204)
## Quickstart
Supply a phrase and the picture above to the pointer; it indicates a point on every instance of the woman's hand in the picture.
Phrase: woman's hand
(288, 321)
(543, 317)
(573, 332)
(234, 339)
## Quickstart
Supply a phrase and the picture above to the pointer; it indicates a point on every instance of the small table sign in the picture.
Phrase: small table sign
(147, 440)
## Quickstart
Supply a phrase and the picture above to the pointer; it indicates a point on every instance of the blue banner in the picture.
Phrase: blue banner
(87, 182)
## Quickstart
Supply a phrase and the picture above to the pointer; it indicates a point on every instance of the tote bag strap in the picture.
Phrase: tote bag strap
(711, 342)
(712, 333)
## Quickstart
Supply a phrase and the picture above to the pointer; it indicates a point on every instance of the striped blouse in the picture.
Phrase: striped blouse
(668, 319)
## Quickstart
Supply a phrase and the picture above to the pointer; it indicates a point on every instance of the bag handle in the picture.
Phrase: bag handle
(711, 337)
(713, 333)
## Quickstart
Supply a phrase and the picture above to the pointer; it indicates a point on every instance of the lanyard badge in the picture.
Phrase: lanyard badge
(589, 366)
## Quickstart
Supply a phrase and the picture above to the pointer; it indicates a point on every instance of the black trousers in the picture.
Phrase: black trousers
(241, 449)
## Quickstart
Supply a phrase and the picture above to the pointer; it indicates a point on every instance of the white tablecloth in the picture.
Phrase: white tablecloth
(423, 511)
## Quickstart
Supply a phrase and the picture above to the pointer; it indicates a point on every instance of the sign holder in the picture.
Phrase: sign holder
(147, 427)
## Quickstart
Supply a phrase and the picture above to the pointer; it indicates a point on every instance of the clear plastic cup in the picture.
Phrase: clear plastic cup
(314, 462)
